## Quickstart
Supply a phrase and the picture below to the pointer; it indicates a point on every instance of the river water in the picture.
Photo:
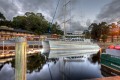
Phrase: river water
(38, 68)
(54, 69)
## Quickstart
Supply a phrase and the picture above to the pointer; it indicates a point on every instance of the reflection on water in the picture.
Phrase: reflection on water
(34, 63)
(54, 69)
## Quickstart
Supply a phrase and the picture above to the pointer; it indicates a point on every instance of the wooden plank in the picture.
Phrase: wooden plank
(110, 78)
(107, 78)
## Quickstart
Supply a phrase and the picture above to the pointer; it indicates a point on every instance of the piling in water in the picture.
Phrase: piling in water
(20, 58)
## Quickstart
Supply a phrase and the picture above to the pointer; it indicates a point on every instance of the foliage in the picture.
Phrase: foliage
(95, 34)
(5, 23)
(87, 34)
(2, 17)
(104, 37)
(34, 63)
(114, 30)
(35, 23)
(32, 22)
(97, 30)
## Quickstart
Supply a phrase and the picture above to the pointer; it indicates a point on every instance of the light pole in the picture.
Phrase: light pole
(3, 46)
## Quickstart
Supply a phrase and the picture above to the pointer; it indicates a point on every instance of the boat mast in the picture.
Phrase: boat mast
(64, 18)
(65, 8)
(54, 15)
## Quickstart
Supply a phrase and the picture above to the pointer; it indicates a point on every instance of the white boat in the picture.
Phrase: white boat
(70, 45)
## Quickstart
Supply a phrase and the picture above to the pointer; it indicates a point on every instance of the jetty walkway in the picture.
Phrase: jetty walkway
(7, 48)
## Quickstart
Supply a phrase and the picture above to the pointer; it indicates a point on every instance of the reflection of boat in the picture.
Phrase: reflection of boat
(108, 71)
(74, 60)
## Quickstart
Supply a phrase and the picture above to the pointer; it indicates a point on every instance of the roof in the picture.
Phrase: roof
(15, 30)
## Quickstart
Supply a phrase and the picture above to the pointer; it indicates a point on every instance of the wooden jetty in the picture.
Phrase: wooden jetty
(8, 51)
(107, 78)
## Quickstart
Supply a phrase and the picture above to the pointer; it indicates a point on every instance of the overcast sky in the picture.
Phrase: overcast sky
(83, 12)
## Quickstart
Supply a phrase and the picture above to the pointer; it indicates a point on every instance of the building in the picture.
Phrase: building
(7, 33)
(78, 32)
(50, 36)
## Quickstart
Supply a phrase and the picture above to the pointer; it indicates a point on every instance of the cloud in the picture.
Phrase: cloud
(7, 73)
(110, 12)
(8, 8)
(75, 26)
(88, 22)
(12, 8)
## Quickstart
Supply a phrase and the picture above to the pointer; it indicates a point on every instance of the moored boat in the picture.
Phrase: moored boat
(117, 47)
(111, 60)
(71, 46)
(111, 47)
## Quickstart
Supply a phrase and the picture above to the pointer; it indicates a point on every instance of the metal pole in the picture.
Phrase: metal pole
(3, 47)
(64, 18)
(50, 73)
(63, 70)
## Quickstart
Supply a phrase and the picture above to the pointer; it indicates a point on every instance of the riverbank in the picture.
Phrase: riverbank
(104, 45)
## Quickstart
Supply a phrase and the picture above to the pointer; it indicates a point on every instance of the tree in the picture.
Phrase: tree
(3, 21)
(2, 17)
(104, 37)
(87, 34)
(6, 23)
(94, 31)
(97, 30)
(35, 23)
(19, 22)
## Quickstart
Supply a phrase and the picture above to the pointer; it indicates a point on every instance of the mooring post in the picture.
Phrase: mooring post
(100, 50)
(20, 58)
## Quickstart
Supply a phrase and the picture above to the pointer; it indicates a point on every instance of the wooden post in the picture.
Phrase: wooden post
(100, 50)
(20, 58)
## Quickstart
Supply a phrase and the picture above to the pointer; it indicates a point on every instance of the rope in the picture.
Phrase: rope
(54, 14)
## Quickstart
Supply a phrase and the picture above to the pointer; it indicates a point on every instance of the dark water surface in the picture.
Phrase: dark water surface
(67, 69)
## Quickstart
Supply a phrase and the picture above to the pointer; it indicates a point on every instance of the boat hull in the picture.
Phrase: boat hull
(71, 48)
(45, 48)
(110, 61)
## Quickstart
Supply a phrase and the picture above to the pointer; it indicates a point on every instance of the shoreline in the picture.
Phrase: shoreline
(104, 45)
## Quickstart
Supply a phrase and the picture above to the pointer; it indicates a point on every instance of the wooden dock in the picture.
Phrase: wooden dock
(107, 78)
(7, 51)
(11, 53)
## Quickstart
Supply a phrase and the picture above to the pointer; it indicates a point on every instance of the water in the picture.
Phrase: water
(55, 69)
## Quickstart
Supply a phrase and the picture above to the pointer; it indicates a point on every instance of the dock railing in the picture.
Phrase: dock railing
(7, 48)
